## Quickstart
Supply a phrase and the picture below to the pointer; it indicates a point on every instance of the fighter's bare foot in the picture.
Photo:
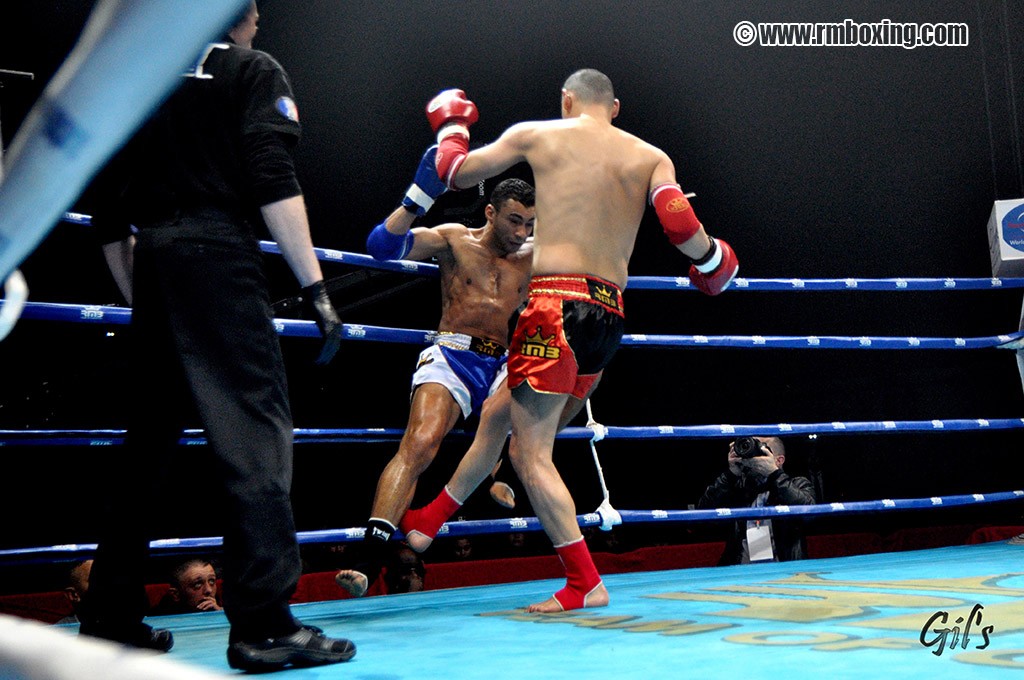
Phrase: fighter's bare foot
(355, 583)
(503, 495)
(548, 606)
(598, 597)
(418, 540)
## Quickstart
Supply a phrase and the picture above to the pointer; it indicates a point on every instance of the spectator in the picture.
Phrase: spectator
(78, 585)
(405, 572)
(755, 478)
(516, 543)
(462, 549)
(193, 589)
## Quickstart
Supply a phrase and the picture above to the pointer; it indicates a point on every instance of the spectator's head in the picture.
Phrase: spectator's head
(194, 585)
(406, 572)
(775, 445)
(517, 540)
(78, 582)
(611, 541)
(462, 548)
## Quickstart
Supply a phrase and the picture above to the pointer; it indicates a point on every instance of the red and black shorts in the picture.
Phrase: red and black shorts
(567, 334)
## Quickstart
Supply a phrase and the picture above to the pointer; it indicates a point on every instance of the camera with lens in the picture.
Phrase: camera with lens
(748, 447)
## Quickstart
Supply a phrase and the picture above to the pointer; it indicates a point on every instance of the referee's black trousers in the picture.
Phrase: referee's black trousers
(203, 336)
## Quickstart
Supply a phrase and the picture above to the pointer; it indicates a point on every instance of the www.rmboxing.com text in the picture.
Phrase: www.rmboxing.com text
(850, 33)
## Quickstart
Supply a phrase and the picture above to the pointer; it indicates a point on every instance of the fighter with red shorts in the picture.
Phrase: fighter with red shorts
(593, 183)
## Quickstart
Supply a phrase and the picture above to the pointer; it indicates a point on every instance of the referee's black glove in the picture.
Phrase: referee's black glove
(314, 298)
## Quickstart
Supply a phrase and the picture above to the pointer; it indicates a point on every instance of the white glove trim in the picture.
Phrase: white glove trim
(419, 197)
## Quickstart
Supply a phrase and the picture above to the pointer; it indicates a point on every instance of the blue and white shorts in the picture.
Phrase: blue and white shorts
(470, 368)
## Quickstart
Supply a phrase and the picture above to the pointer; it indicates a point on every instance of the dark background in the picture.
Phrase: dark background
(812, 162)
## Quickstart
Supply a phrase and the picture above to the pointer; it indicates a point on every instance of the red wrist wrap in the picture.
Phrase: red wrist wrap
(451, 152)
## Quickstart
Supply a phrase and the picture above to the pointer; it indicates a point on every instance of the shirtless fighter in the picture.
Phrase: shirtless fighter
(484, 276)
(593, 181)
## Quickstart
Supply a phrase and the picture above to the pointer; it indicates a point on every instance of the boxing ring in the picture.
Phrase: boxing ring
(956, 610)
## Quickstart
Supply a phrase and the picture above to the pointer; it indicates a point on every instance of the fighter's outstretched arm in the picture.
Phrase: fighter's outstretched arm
(392, 238)
(680, 224)
(450, 115)
(714, 264)
(490, 160)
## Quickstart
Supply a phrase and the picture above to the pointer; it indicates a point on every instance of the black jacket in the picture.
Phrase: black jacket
(730, 491)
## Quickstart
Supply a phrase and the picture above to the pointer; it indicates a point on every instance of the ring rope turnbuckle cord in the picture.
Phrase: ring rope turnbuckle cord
(608, 514)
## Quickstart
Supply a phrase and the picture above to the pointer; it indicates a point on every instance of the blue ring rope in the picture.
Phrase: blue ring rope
(50, 311)
(490, 526)
(194, 437)
(672, 282)
(683, 282)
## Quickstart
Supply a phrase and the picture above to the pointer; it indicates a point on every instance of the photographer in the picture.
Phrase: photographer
(755, 478)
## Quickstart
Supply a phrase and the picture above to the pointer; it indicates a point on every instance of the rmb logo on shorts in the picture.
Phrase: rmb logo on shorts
(605, 296)
(487, 347)
(537, 345)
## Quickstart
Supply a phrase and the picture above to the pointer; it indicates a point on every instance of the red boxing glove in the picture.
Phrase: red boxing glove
(451, 152)
(450, 115)
(715, 271)
(451, 106)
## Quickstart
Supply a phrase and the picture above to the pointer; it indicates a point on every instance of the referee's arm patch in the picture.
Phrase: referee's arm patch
(287, 108)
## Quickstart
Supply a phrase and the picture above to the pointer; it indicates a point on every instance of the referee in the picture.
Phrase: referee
(211, 163)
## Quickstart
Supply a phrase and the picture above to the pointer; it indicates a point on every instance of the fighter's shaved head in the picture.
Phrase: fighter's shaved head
(591, 87)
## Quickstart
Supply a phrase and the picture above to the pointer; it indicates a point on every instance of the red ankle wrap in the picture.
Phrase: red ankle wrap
(580, 575)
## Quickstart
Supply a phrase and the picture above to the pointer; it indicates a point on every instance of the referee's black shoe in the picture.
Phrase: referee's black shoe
(308, 646)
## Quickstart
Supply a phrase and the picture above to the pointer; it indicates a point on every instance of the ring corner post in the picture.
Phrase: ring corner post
(1020, 352)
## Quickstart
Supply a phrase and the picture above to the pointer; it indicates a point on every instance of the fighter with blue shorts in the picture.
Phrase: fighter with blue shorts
(485, 273)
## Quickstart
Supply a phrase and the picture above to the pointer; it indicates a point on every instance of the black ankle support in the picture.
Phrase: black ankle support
(374, 549)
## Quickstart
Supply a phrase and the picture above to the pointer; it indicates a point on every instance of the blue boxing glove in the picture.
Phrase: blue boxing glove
(426, 186)
(383, 245)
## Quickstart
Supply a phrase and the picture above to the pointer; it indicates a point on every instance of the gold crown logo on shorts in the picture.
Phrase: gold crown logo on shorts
(488, 347)
(604, 295)
(537, 345)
